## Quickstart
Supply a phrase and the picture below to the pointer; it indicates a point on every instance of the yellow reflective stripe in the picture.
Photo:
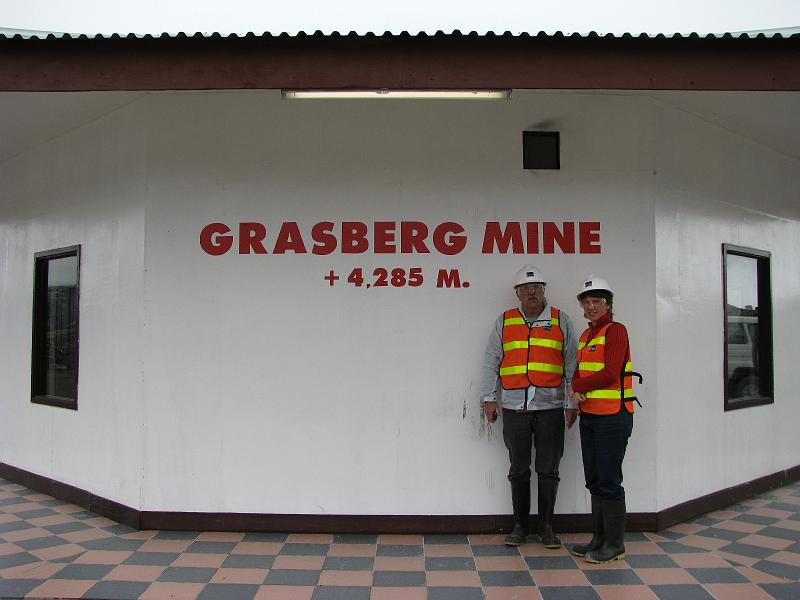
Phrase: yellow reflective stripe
(545, 367)
(629, 366)
(514, 321)
(513, 370)
(590, 366)
(514, 345)
(581, 345)
(554, 321)
(608, 394)
(546, 343)
(597, 341)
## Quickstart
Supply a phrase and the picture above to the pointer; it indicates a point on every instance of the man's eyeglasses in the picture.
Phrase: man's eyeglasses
(530, 288)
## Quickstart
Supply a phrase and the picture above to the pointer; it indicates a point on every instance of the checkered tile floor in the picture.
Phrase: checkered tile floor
(51, 549)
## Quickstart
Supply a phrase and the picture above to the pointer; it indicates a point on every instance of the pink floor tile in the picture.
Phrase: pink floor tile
(787, 558)
(61, 588)
(737, 591)
(748, 561)
(492, 538)
(68, 508)
(701, 560)
(739, 526)
(346, 578)
(140, 535)
(161, 590)
(100, 522)
(559, 577)
(763, 541)
(539, 550)
(771, 512)
(398, 593)
(723, 514)
(102, 557)
(399, 563)
(164, 546)
(587, 566)
(299, 562)
(707, 543)
(282, 592)
(21, 507)
(200, 559)
(25, 534)
(642, 548)
(220, 536)
(309, 538)
(352, 550)
(40, 570)
(453, 579)
(265, 548)
(9, 548)
(686, 528)
(58, 552)
(134, 573)
(512, 593)
(756, 576)
(51, 520)
(250, 576)
(500, 563)
(85, 535)
(7, 518)
(625, 592)
(788, 524)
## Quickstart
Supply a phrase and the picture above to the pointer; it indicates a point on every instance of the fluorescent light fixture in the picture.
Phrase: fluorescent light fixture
(384, 94)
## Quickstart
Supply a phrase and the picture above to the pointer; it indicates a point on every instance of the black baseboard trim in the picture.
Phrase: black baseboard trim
(288, 523)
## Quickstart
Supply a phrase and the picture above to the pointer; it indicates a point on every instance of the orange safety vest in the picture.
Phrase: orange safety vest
(591, 359)
(531, 355)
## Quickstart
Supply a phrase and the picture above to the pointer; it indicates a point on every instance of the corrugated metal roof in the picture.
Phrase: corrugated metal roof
(787, 32)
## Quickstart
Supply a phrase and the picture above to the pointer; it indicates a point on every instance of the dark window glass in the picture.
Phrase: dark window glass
(748, 327)
(54, 368)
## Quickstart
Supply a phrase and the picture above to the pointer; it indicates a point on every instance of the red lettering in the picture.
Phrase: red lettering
(589, 236)
(289, 238)
(354, 237)
(325, 241)
(383, 237)
(452, 243)
(494, 236)
(532, 229)
(213, 239)
(250, 237)
(412, 237)
(551, 235)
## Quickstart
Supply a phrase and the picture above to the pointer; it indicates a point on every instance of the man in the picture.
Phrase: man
(531, 353)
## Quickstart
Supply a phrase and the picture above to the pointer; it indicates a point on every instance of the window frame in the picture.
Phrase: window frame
(765, 338)
(39, 326)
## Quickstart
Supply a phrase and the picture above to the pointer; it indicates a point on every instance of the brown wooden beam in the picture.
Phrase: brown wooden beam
(442, 61)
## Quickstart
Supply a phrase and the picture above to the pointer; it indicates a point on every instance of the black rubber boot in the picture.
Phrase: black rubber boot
(597, 530)
(547, 504)
(521, 501)
(613, 547)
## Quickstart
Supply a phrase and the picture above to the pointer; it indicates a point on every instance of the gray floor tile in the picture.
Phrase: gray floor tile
(678, 548)
(748, 550)
(248, 561)
(67, 527)
(783, 506)
(176, 535)
(349, 563)
(718, 575)
(438, 538)
(265, 537)
(722, 534)
(42, 542)
(18, 588)
(781, 533)
(211, 547)
(707, 521)
(494, 550)
(455, 593)
(160, 559)
(119, 529)
(85, 571)
(113, 543)
(505, 578)
(355, 538)
(778, 569)
(228, 591)
(292, 577)
(670, 535)
(756, 519)
(305, 549)
(613, 577)
(782, 591)
(15, 560)
(187, 575)
(398, 578)
(117, 590)
(681, 592)
(12, 500)
(542, 563)
(399, 550)
(650, 561)
(36, 513)
(635, 536)
(568, 593)
(449, 563)
(341, 593)
(14, 526)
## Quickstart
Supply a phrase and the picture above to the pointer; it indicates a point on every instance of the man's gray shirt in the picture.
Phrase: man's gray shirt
(536, 398)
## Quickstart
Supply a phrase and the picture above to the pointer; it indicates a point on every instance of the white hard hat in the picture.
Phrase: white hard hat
(594, 283)
(529, 274)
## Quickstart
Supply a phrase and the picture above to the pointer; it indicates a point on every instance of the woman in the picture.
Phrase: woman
(599, 388)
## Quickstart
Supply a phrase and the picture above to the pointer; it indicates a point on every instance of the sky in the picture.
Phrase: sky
(516, 16)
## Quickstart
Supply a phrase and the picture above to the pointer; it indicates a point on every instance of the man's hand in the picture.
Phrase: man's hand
(490, 411)
(570, 414)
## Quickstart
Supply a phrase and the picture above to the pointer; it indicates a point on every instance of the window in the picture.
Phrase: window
(748, 327)
(54, 362)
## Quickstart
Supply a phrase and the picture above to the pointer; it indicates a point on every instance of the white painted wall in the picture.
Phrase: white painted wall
(715, 187)
(84, 187)
(248, 384)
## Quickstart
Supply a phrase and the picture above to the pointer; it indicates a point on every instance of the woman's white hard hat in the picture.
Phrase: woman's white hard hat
(593, 283)
(529, 274)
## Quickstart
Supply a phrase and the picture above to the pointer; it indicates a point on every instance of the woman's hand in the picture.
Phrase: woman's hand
(577, 398)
